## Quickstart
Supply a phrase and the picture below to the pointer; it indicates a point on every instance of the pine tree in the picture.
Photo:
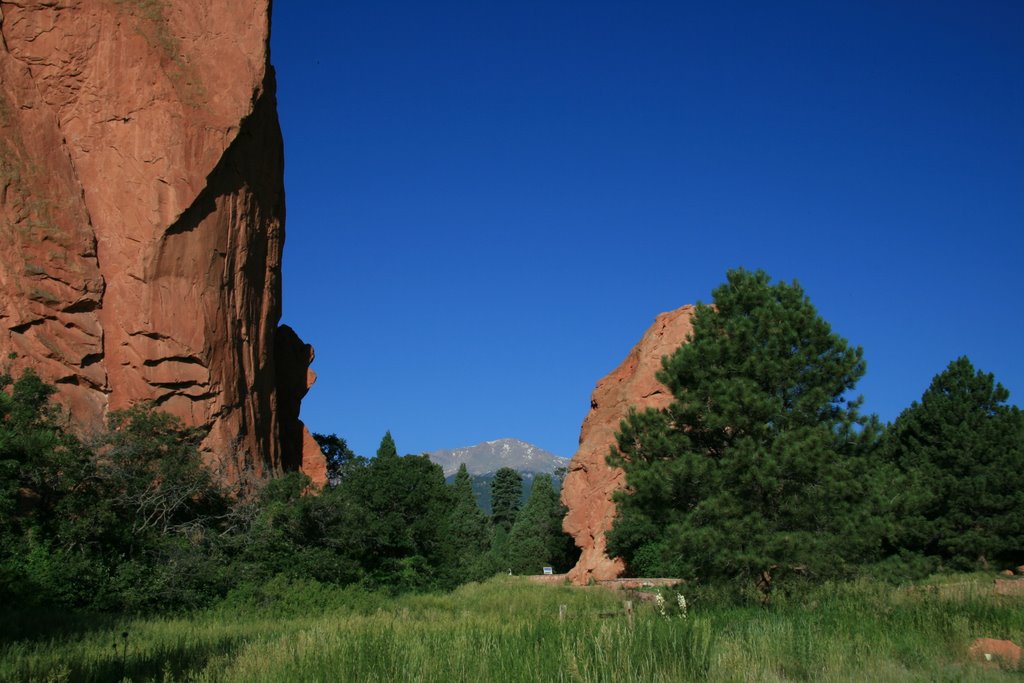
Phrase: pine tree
(466, 531)
(387, 448)
(536, 539)
(506, 492)
(758, 468)
(961, 450)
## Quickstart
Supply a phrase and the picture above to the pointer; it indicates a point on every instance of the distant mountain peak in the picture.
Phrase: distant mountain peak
(490, 456)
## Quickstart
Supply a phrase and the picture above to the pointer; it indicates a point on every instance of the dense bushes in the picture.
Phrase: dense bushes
(128, 522)
(135, 521)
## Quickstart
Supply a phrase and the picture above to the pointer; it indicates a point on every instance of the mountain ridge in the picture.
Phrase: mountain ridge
(489, 456)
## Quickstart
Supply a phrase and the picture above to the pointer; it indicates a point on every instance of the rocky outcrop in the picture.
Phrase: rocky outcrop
(994, 653)
(142, 211)
(1009, 587)
(588, 487)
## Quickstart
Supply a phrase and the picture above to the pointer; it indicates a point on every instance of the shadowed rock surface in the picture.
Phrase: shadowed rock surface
(142, 211)
(590, 483)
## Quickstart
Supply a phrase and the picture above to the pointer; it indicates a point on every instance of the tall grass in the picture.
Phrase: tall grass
(509, 630)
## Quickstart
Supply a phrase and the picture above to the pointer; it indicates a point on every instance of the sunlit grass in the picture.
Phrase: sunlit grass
(509, 630)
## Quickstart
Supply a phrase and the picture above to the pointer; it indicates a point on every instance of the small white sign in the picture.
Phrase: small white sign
(548, 570)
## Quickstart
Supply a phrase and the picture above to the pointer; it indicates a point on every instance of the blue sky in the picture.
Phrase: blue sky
(488, 203)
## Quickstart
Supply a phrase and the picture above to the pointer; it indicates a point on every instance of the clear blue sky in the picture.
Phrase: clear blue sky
(488, 203)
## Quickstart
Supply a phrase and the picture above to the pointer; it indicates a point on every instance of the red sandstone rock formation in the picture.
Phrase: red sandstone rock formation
(142, 215)
(1009, 587)
(591, 481)
(995, 653)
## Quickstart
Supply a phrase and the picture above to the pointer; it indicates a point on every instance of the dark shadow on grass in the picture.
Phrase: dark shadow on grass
(178, 661)
(44, 623)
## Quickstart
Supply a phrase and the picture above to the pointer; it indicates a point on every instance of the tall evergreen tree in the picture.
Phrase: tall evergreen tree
(537, 539)
(961, 450)
(757, 468)
(506, 492)
(466, 531)
(387, 448)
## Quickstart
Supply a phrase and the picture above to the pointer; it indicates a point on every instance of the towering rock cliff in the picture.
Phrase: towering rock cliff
(142, 215)
(590, 483)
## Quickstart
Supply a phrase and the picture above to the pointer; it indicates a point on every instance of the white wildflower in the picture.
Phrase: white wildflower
(681, 601)
(659, 603)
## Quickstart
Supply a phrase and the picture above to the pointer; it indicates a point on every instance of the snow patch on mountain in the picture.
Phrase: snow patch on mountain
(490, 456)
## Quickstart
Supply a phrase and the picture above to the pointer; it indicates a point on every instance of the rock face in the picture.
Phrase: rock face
(589, 485)
(142, 215)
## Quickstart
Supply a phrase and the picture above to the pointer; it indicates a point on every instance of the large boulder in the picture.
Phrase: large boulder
(590, 482)
(142, 209)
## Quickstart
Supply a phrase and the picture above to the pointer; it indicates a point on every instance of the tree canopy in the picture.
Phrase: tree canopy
(758, 468)
(341, 460)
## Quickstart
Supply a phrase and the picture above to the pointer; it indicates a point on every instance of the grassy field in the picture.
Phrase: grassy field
(508, 630)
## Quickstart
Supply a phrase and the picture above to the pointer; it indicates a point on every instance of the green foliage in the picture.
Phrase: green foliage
(341, 460)
(155, 513)
(389, 523)
(536, 539)
(466, 533)
(43, 472)
(289, 533)
(961, 455)
(387, 448)
(759, 468)
(506, 492)
(39, 462)
(398, 509)
(482, 483)
(154, 476)
(137, 522)
(124, 525)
